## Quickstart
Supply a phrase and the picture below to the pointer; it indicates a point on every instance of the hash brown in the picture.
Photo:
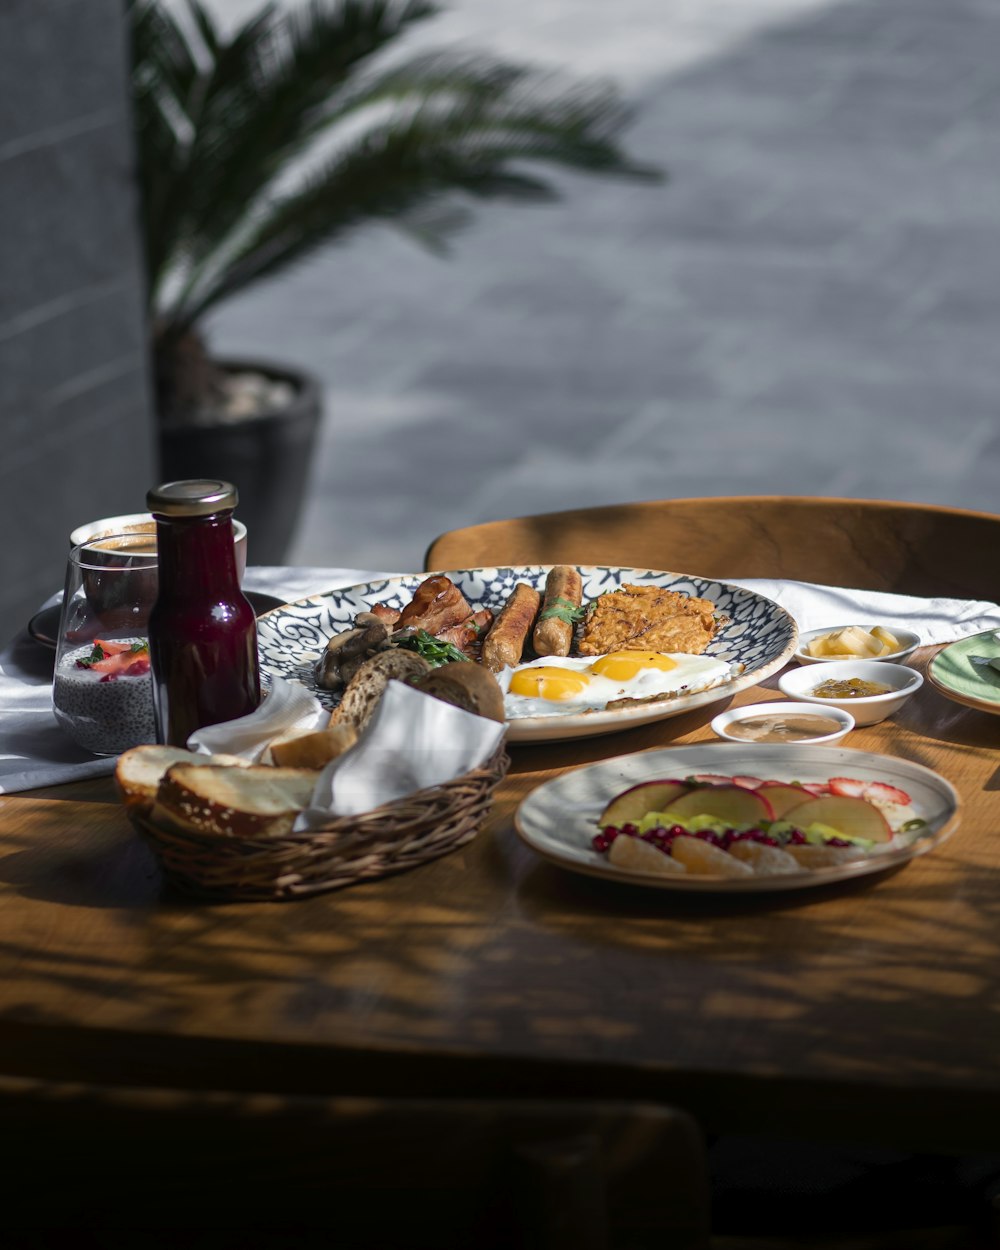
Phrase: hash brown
(648, 618)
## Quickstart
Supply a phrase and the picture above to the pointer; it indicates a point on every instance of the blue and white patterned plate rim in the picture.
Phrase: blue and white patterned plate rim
(758, 633)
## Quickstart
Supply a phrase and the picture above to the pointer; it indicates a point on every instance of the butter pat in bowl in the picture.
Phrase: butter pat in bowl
(781, 721)
(835, 643)
(870, 690)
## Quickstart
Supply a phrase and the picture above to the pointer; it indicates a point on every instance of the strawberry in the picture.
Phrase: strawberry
(872, 791)
(710, 779)
(121, 662)
(112, 648)
(748, 783)
(818, 788)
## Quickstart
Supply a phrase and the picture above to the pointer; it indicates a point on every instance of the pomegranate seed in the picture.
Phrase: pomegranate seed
(630, 830)
(600, 843)
(611, 831)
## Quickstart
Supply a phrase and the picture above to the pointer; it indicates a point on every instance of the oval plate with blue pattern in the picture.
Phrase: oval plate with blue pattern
(755, 632)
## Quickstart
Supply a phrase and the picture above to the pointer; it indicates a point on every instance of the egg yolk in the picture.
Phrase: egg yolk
(624, 665)
(547, 682)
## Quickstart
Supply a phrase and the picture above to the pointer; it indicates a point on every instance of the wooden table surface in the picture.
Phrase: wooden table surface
(865, 1013)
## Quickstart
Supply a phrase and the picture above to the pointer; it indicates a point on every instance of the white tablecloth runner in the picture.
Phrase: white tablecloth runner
(35, 752)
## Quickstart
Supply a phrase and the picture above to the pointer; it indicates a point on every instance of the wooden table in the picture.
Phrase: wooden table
(867, 1013)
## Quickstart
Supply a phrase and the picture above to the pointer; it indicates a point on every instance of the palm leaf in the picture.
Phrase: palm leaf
(228, 125)
(406, 171)
(262, 104)
(164, 70)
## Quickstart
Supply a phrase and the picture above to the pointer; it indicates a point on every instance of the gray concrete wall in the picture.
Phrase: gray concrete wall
(76, 430)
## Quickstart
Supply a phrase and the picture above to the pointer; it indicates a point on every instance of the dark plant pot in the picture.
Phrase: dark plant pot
(268, 458)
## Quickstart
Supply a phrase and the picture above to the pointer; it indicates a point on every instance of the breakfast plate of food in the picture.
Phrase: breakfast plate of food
(968, 671)
(729, 818)
(576, 650)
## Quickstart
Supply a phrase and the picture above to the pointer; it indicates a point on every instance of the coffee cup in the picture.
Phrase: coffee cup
(143, 523)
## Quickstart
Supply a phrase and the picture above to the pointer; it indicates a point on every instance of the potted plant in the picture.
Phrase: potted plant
(259, 146)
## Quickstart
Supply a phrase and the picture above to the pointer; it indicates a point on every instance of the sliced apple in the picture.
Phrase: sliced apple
(735, 805)
(631, 805)
(782, 796)
(853, 817)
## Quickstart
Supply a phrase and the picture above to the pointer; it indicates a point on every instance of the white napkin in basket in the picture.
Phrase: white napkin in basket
(413, 741)
(287, 707)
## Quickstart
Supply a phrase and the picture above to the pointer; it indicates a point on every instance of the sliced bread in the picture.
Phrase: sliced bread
(255, 801)
(468, 686)
(139, 771)
(311, 750)
(368, 684)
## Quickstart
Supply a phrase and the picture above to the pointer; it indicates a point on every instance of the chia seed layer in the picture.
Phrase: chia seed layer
(106, 717)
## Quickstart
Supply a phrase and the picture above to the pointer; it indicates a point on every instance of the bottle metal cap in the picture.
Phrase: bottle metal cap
(200, 496)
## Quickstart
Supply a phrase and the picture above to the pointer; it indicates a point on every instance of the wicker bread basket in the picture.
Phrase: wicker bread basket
(391, 838)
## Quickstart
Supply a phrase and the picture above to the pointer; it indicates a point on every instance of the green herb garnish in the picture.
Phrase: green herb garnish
(434, 650)
(563, 610)
(95, 657)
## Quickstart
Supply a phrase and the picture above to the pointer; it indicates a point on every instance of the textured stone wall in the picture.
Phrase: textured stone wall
(75, 416)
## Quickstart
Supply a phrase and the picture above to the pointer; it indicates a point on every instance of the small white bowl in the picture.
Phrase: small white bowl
(908, 640)
(781, 708)
(799, 683)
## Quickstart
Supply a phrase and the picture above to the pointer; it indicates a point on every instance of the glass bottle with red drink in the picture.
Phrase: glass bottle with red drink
(202, 629)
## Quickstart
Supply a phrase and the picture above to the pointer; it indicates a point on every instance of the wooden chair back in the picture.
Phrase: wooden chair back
(872, 545)
(355, 1173)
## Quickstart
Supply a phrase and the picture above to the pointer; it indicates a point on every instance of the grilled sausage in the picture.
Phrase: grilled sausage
(504, 643)
(563, 592)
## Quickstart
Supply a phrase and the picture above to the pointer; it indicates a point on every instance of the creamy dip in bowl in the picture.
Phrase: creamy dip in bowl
(782, 721)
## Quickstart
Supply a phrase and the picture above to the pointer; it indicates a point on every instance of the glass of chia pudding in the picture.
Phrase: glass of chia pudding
(102, 692)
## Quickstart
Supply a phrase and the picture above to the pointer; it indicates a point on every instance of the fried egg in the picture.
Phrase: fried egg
(566, 686)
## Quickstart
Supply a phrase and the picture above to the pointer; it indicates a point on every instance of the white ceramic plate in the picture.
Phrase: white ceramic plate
(557, 819)
(758, 634)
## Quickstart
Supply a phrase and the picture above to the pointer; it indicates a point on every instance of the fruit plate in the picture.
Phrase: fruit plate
(558, 818)
(963, 672)
(757, 633)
